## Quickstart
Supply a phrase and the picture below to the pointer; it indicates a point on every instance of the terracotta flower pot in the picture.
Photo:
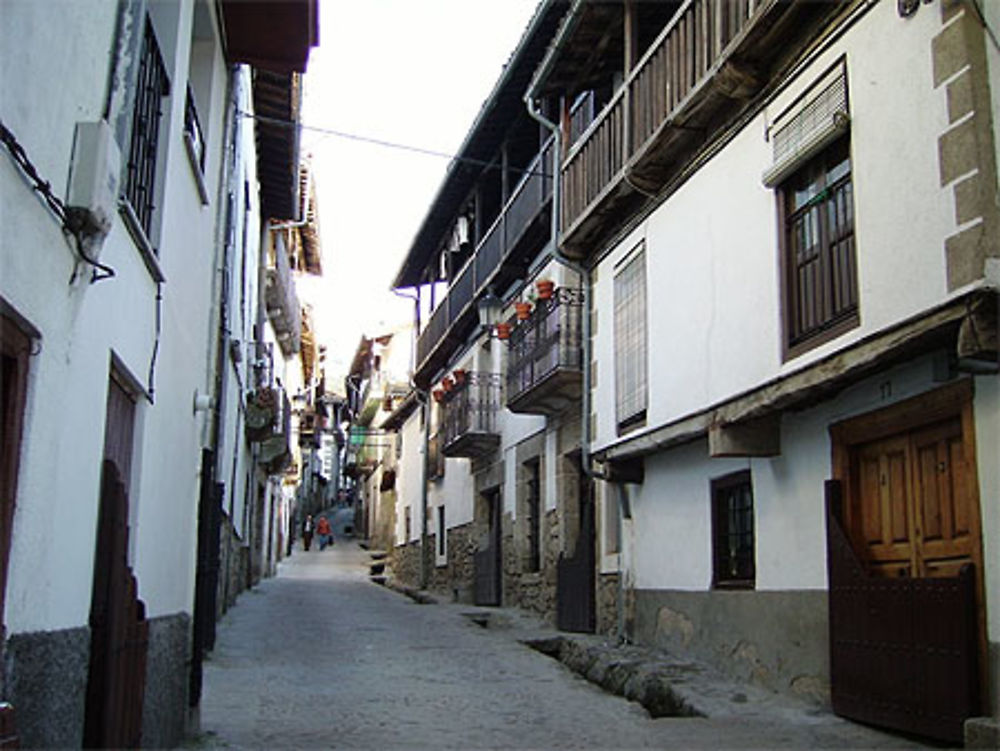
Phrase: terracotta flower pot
(459, 374)
(523, 310)
(503, 331)
(545, 287)
(438, 395)
(447, 383)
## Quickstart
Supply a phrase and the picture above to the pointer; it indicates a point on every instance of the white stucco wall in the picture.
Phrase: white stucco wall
(712, 248)
(82, 326)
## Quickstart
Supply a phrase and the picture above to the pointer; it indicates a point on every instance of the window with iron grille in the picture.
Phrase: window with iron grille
(533, 507)
(733, 532)
(630, 342)
(441, 532)
(140, 176)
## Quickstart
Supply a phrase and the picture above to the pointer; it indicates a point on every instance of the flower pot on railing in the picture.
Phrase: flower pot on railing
(447, 384)
(546, 288)
(523, 310)
(261, 414)
(503, 331)
(459, 374)
(438, 395)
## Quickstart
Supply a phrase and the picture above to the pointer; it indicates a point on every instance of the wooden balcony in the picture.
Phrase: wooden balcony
(544, 367)
(503, 254)
(707, 63)
(279, 296)
(470, 416)
(269, 424)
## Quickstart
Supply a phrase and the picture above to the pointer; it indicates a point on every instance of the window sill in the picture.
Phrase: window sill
(146, 250)
(850, 321)
(196, 170)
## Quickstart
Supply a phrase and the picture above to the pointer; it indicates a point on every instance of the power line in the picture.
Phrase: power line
(382, 142)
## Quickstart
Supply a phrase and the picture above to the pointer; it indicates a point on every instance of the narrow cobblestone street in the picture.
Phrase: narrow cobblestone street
(319, 657)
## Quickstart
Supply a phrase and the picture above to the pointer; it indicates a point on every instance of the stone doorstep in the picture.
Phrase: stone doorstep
(982, 732)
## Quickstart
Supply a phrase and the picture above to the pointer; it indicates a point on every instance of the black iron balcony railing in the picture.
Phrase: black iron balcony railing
(470, 416)
(692, 79)
(545, 367)
(504, 252)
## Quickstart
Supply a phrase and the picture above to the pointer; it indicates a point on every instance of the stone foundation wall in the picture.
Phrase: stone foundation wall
(776, 639)
(45, 674)
(405, 563)
(234, 559)
(165, 706)
(607, 603)
(457, 578)
(532, 590)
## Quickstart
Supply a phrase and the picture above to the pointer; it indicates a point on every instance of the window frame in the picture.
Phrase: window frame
(144, 146)
(533, 510)
(636, 311)
(722, 489)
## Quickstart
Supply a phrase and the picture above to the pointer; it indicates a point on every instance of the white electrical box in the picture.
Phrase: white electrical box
(93, 178)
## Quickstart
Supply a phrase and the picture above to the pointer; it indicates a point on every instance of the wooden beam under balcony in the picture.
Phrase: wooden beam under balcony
(698, 76)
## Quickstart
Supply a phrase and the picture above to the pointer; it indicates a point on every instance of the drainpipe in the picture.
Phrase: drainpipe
(424, 551)
(584, 272)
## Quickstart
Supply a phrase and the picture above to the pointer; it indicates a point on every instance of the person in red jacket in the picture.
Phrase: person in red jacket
(325, 532)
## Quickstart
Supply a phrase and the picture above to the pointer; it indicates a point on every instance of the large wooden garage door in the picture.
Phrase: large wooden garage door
(905, 566)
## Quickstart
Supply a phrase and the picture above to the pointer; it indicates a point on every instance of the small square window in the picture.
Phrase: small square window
(733, 532)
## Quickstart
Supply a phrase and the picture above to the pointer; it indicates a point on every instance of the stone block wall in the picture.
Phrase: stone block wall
(532, 590)
(607, 603)
(405, 562)
(456, 579)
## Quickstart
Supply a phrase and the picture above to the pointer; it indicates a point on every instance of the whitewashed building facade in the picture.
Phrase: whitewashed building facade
(783, 220)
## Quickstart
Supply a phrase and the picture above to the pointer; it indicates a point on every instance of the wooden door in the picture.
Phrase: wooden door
(912, 514)
(907, 620)
(488, 561)
(116, 679)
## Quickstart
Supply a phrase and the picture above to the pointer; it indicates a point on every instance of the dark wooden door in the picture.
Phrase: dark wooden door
(488, 562)
(116, 678)
(14, 351)
(576, 606)
(905, 567)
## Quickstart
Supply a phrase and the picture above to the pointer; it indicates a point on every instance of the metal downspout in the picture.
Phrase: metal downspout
(584, 272)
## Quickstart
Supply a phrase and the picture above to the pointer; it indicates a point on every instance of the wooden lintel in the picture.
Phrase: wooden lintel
(760, 437)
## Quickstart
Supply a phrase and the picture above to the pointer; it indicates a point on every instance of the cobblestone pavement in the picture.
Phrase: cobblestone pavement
(319, 657)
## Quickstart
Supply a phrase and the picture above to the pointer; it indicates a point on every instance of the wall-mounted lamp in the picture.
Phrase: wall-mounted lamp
(489, 308)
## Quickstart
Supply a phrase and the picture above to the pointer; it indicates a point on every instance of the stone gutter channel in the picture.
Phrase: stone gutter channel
(666, 685)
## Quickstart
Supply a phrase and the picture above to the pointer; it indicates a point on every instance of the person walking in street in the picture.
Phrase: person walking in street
(325, 532)
(307, 531)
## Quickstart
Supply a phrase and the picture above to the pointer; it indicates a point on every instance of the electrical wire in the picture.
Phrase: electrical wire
(385, 144)
(55, 205)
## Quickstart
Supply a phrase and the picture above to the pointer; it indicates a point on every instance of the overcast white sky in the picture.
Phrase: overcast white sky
(413, 72)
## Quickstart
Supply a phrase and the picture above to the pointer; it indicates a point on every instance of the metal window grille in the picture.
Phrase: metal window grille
(152, 86)
(441, 533)
(630, 342)
(733, 531)
(534, 516)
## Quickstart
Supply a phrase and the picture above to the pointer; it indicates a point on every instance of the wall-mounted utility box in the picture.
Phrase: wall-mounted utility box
(92, 197)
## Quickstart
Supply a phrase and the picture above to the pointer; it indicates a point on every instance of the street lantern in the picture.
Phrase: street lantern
(489, 308)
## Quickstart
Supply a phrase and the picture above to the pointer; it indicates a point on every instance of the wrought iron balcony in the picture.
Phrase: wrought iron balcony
(544, 366)
(470, 416)
(709, 60)
(503, 254)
